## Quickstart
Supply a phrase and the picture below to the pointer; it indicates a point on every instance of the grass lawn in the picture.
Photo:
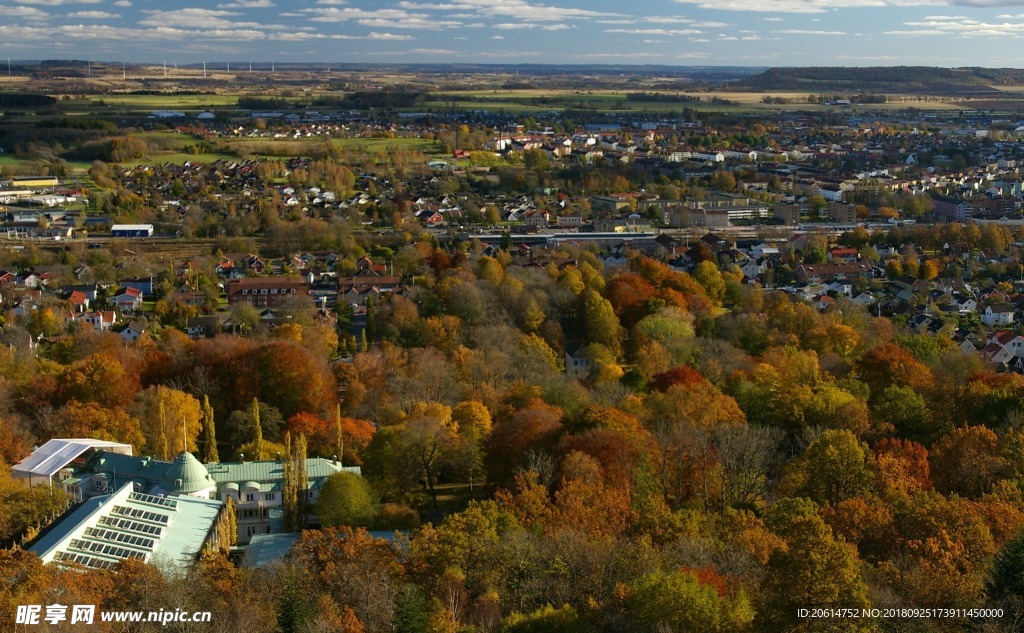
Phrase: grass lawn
(179, 158)
(385, 144)
(451, 498)
(76, 166)
(163, 136)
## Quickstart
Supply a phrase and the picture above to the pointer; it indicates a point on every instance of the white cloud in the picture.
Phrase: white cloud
(393, 37)
(191, 17)
(809, 32)
(668, 19)
(509, 54)
(408, 23)
(93, 15)
(380, 18)
(959, 26)
(513, 26)
(247, 4)
(57, 3)
(106, 33)
(986, 4)
(29, 13)
(668, 32)
(299, 36)
(520, 9)
(806, 6)
(122, 3)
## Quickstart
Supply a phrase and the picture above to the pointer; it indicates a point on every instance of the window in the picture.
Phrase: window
(250, 497)
(270, 496)
(251, 530)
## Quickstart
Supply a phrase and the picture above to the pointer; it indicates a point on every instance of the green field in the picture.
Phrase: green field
(10, 159)
(147, 103)
(612, 101)
(179, 158)
(385, 144)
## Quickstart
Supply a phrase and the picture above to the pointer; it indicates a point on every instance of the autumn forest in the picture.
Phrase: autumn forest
(726, 456)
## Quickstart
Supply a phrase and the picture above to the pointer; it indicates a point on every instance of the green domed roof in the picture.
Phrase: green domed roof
(186, 475)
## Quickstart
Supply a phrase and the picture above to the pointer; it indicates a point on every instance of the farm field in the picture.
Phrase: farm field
(169, 101)
(525, 101)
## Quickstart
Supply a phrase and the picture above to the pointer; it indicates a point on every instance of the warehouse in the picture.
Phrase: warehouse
(131, 230)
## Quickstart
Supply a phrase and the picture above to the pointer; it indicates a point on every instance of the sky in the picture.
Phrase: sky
(673, 32)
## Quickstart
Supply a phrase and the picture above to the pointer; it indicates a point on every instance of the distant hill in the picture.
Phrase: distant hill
(922, 79)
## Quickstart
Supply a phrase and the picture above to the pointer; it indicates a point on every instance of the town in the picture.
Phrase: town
(391, 360)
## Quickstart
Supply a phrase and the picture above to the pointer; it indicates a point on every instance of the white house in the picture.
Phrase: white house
(965, 305)
(998, 314)
(132, 332)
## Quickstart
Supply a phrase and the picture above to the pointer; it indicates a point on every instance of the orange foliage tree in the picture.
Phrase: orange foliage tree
(535, 426)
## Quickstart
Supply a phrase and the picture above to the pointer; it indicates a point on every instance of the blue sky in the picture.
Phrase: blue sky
(675, 32)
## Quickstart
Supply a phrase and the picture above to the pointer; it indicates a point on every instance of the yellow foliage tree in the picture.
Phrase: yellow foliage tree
(171, 420)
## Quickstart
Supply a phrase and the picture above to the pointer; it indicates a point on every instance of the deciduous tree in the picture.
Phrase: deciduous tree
(166, 414)
(346, 499)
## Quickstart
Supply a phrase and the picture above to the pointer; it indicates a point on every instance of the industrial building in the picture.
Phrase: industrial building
(131, 230)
